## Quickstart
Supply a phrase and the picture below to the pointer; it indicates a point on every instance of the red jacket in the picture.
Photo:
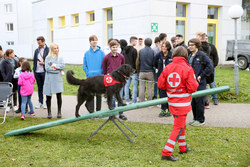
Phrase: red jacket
(179, 81)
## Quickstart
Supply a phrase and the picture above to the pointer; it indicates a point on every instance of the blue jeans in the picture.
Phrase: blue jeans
(25, 100)
(212, 85)
(135, 88)
(113, 100)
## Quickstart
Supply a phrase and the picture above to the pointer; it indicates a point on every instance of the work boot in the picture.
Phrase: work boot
(169, 158)
(187, 150)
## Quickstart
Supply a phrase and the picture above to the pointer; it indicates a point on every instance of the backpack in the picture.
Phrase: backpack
(209, 78)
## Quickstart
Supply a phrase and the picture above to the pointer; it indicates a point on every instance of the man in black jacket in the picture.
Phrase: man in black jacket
(39, 68)
(211, 52)
(180, 41)
(130, 55)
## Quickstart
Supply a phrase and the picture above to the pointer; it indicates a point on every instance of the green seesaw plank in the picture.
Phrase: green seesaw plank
(108, 113)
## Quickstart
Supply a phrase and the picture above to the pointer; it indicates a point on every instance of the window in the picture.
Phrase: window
(109, 23)
(8, 8)
(9, 27)
(75, 19)
(10, 42)
(91, 18)
(212, 25)
(61, 21)
(51, 29)
(181, 19)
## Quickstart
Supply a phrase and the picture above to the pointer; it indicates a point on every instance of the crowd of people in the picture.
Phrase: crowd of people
(147, 60)
(170, 69)
(48, 68)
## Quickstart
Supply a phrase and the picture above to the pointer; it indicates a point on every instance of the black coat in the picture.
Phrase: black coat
(204, 70)
(7, 71)
(211, 52)
(45, 53)
(130, 56)
(158, 62)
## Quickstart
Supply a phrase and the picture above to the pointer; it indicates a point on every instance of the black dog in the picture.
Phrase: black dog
(95, 85)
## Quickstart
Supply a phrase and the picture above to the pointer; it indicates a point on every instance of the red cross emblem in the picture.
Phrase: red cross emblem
(174, 79)
(109, 79)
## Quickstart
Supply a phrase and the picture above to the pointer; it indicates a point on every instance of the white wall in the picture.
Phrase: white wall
(130, 17)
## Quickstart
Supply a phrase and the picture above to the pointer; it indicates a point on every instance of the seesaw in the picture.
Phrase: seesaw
(111, 114)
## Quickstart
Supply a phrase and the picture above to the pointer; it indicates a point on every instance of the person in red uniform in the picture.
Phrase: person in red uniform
(179, 81)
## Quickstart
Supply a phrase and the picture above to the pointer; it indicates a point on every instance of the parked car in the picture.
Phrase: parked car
(243, 52)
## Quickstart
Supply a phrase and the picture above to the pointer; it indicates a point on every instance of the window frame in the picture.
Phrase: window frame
(8, 6)
(182, 19)
(10, 43)
(74, 19)
(8, 27)
(214, 21)
(89, 17)
(51, 29)
(61, 21)
(108, 22)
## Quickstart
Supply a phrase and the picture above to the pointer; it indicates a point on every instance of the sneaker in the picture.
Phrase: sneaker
(22, 117)
(163, 113)
(159, 106)
(190, 123)
(169, 158)
(39, 105)
(216, 102)
(123, 117)
(207, 106)
(32, 113)
(15, 108)
(128, 103)
(44, 106)
(7, 109)
(168, 114)
(104, 99)
(18, 111)
(197, 123)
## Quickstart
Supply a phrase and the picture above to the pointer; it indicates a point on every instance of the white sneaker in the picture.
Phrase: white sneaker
(15, 108)
(128, 103)
(44, 106)
(38, 105)
(104, 99)
(7, 109)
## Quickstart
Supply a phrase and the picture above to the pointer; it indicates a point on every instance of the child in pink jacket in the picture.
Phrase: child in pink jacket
(26, 81)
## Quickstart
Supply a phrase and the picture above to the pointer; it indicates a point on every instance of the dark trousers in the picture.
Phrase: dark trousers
(163, 94)
(155, 84)
(98, 103)
(198, 105)
(40, 81)
(59, 102)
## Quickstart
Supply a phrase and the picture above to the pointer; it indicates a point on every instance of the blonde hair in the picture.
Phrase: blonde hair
(202, 35)
(51, 52)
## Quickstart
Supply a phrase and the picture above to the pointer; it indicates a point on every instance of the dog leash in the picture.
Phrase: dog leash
(145, 80)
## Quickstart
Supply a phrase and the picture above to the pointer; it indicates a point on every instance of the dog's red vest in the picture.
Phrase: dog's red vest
(109, 81)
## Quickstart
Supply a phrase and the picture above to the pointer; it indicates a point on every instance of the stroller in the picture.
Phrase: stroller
(5, 97)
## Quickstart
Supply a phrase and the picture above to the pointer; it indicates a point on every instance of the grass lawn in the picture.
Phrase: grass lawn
(67, 145)
(223, 76)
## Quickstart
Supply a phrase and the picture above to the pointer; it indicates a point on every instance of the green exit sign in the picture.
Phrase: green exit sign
(154, 27)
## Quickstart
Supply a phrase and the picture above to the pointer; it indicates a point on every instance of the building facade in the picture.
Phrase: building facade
(16, 26)
(70, 23)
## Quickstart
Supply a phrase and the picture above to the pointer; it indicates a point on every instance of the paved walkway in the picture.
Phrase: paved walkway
(222, 115)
